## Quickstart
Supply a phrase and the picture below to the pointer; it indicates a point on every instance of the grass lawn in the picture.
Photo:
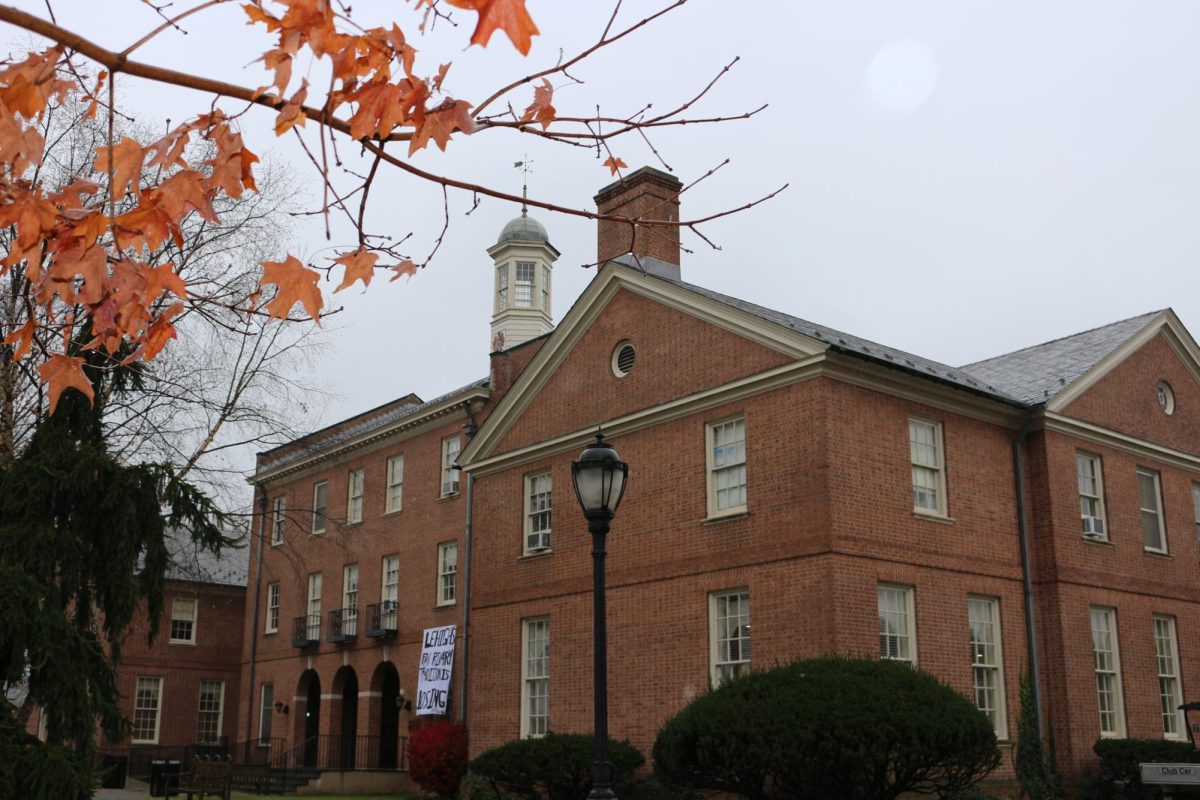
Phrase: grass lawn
(400, 796)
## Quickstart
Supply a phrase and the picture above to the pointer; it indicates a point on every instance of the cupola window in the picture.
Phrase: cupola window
(525, 278)
(502, 288)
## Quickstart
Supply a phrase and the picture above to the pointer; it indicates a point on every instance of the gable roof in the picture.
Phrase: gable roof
(190, 563)
(1038, 374)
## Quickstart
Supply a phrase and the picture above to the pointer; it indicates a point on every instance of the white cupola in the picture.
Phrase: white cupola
(524, 259)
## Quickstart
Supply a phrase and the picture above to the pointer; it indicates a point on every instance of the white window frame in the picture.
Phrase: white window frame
(907, 613)
(272, 621)
(183, 617)
(278, 520)
(725, 467)
(447, 579)
(1157, 511)
(389, 590)
(394, 499)
(266, 706)
(138, 707)
(1106, 666)
(320, 507)
(1089, 469)
(535, 676)
(723, 641)
(502, 288)
(538, 511)
(201, 711)
(350, 600)
(1196, 507)
(987, 659)
(519, 286)
(313, 608)
(451, 447)
(937, 469)
(1170, 690)
(354, 496)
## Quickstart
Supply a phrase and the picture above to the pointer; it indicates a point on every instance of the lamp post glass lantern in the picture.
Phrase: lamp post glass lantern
(599, 479)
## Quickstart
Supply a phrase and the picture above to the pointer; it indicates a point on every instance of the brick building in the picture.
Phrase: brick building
(794, 491)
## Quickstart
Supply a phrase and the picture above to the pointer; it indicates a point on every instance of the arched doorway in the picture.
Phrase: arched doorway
(308, 715)
(345, 718)
(385, 713)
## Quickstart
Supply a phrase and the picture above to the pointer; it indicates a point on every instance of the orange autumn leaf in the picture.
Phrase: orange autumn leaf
(62, 372)
(405, 268)
(441, 76)
(294, 283)
(360, 266)
(509, 16)
(540, 109)
(614, 164)
(23, 338)
(90, 264)
(160, 332)
(450, 116)
(127, 158)
(291, 114)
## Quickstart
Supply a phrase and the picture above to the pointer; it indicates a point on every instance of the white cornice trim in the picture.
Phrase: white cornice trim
(595, 298)
(410, 425)
(1097, 434)
(710, 398)
(1166, 323)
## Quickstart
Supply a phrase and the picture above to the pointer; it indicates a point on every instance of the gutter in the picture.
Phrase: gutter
(1035, 674)
(262, 525)
(471, 428)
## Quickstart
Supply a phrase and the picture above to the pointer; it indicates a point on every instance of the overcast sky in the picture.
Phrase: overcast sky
(967, 177)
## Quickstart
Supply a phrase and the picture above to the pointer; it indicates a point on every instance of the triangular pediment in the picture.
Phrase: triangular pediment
(639, 296)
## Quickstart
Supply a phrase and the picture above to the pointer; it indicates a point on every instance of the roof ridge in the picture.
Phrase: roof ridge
(1062, 338)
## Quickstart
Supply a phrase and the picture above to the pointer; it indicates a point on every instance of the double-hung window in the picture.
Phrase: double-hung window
(278, 520)
(354, 496)
(395, 484)
(350, 600)
(537, 512)
(1196, 507)
(1166, 651)
(928, 467)
(447, 572)
(987, 661)
(208, 718)
(272, 608)
(896, 614)
(183, 620)
(1154, 535)
(1107, 668)
(390, 592)
(525, 278)
(313, 624)
(502, 288)
(320, 504)
(726, 467)
(1091, 496)
(729, 635)
(265, 707)
(535, 683)
(147, 708)
(450, 449)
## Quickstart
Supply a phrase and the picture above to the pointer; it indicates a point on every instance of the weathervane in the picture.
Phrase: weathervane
(525, 166)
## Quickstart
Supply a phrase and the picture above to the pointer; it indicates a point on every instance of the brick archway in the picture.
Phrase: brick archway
(384, 714)
(343, 718)
(307, 716)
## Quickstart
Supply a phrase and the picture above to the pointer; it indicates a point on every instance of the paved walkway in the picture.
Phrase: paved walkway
(132, 789)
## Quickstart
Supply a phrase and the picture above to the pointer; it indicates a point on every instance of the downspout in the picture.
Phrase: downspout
(261, 497)
(471, 428)
(1027, 575)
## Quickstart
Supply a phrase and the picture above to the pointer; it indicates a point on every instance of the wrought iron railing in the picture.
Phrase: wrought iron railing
(381, 620)
(306, 631)
(337, 752)
(343, 624)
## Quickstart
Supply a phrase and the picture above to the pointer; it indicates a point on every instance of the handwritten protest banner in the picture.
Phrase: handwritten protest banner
(433, 676)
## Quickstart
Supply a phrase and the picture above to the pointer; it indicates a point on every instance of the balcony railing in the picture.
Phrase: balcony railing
(343, 625)
(306, 631)
(381, 620)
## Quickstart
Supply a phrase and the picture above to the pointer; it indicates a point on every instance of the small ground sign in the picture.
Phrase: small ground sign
(1171, 774)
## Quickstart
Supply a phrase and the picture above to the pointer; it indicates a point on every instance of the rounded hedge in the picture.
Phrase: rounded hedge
(557, 766)
(826, 728)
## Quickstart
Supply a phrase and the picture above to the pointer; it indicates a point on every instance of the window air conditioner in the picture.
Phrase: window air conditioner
(388, 606)
(1093, 528)
(449, 487)
(537, 542)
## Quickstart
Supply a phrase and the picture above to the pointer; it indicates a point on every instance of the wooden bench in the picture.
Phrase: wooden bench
(207, 779)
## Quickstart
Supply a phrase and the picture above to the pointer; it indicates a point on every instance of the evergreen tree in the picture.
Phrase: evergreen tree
(1036, 771)
(81, 550)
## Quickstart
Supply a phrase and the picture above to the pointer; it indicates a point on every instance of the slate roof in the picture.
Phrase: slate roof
(319, 444)
(854, 345)
(190, 563)
(1036, 374)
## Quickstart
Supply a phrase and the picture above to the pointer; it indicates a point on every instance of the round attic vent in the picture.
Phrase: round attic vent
(622, 359)
(1166, 397)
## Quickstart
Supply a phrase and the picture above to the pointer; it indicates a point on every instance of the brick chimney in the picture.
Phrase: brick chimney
(645, 194)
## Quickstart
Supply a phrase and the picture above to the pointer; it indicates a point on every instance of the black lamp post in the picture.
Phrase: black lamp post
(599, 478)
(1187, 708)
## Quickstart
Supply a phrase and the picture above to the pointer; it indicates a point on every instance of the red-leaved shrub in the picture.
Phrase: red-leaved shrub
(437, 757)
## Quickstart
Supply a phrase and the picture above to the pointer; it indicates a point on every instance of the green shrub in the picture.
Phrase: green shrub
(1120, 775)
(1036, 770)
(558, 766)
(828, 728)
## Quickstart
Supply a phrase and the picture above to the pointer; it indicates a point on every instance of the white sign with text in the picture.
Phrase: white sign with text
(433, 675)
(1171, 774)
